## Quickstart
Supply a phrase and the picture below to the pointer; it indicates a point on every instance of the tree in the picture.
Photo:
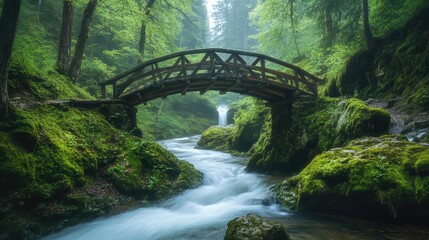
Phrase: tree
(195, 31)
(369, 38)
(64, 47)
(81, 41)
(232, 26)
(142, 41)
(8, 24)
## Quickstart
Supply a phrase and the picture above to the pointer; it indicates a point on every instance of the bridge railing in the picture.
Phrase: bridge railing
(211, 64)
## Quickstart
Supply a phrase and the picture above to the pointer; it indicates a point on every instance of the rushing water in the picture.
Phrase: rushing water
(200, 213)
(227, 192)
(222, 110)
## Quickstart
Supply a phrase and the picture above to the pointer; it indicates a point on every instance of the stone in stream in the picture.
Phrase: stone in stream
(255, 228)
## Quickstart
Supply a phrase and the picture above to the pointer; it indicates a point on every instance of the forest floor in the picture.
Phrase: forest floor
(413, 125)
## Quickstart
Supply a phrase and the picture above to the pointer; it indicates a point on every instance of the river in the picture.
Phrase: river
(228, 191)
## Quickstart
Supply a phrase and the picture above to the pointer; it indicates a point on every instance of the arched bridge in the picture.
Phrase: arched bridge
(202, 70)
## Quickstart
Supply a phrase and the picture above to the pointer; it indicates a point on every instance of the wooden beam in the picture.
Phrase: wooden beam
(185, 90)
(237, 82)
(208, 88)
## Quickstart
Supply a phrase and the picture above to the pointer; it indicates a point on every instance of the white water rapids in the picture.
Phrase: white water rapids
(201, 213)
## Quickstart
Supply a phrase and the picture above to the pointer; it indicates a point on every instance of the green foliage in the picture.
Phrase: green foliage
(195, 31)
(114, 35)
(232, 28)
(249, 119)
(339, 37)
(95, 71)
(384, 22)
(368, 176)
(176, 116)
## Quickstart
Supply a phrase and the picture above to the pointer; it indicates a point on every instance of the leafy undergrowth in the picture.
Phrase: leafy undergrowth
(369, 176)
(398, 68)
(176, 116)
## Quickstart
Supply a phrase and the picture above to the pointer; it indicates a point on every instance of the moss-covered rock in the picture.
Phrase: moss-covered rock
(253, 227)
(311, 126)
(216, 138)
(248, 121)
(60, 165)
(148, 170)
(369, 176)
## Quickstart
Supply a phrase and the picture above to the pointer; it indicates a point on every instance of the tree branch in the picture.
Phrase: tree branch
(181, 12)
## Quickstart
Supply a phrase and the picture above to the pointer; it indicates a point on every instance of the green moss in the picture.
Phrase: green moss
(422, 163)
(216, 138)
(397, 68)
(188, 177)
(248, 121)
(358, 119)
(254, 227)
(369, 175)
(148, 170)
(313, 126)
(69, 149)
(43, 86)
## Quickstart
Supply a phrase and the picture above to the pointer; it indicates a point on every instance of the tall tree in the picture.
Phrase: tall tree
(8, 24)
(294, 31)
(81, 41)
(369, 38)
(142, 42)
(64, 46)
(195, 30)
(232, 26)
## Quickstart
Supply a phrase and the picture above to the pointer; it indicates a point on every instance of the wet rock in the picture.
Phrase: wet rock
(371, 177)
(255, 228)
(216, 138)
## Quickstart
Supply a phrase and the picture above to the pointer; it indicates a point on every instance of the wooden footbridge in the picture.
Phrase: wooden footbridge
(202, 70)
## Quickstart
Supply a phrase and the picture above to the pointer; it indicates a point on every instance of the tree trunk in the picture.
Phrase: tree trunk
(292, 22)
(64, 48)
(370, 41)
(81, 41)
(142, 41)
(329, 29)
(8, 24)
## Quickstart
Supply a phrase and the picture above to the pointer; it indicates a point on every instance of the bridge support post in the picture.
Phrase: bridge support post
(122, 116)
(281, 124)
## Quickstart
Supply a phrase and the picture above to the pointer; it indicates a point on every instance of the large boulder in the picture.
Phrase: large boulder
(255, 228)
(216, 138)
(370, 176)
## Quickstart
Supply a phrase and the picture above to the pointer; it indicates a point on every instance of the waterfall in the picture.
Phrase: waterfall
(222, 110)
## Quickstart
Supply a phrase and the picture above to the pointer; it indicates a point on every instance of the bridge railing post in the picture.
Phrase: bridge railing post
(263, 68)
(103, 91)
(115, 90)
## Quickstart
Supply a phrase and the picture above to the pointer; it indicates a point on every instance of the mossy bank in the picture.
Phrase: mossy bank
(61, 165)
(285, 138)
